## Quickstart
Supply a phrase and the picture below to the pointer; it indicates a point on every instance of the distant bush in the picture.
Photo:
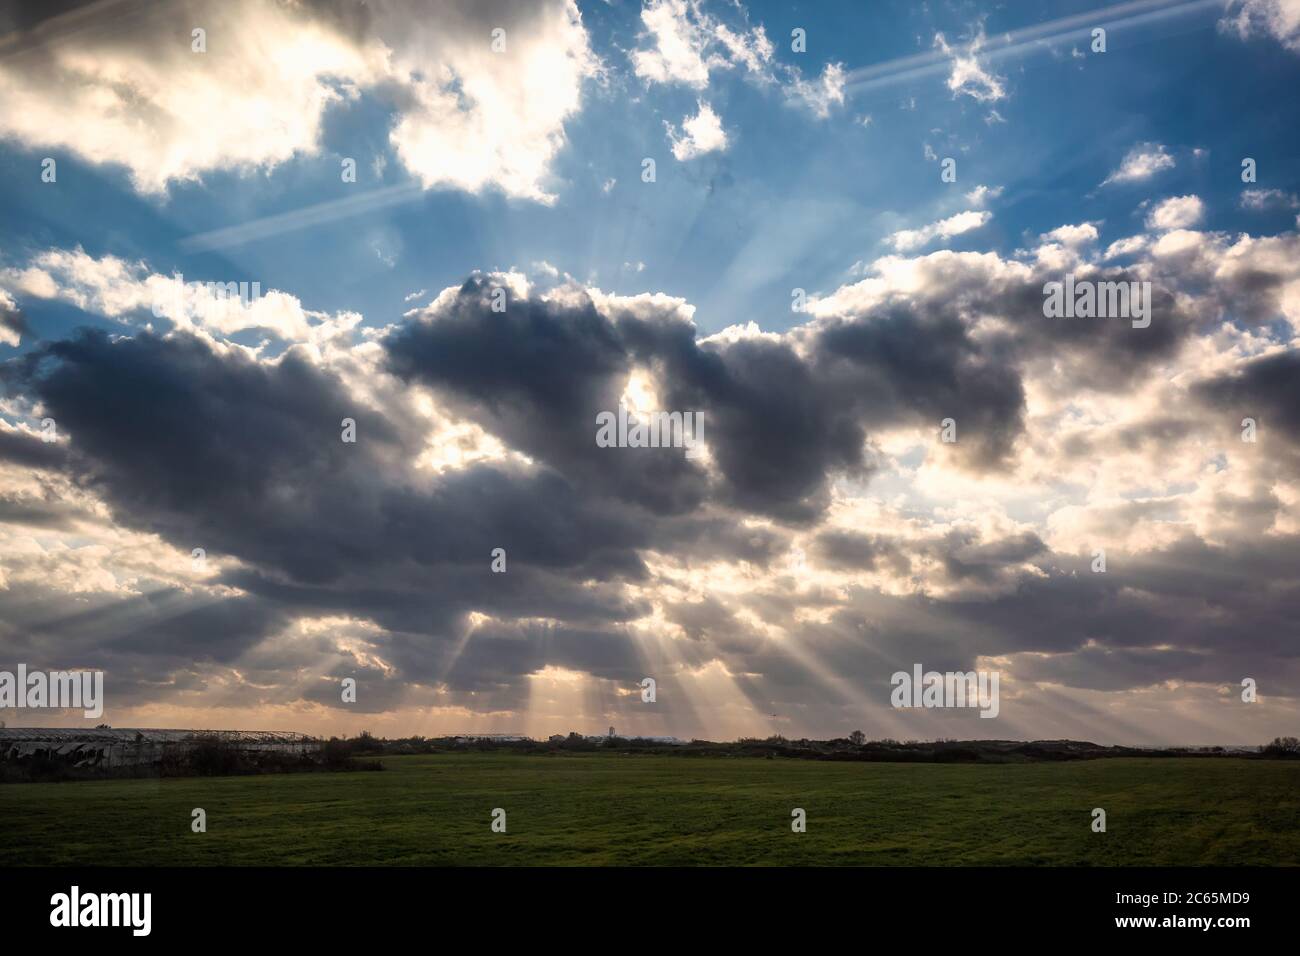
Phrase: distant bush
(1283, 747)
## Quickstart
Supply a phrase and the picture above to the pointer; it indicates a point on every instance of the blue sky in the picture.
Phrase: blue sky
(793, 201)
(828, 536)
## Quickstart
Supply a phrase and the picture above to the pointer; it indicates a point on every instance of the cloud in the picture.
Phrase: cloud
(701, 133)
(1258, 200)
(12, 323)
(677, 53)
(476, 431)
(1279, 19)
(1176, 212)
(1266, 389)
(687, 44)
(473, 118)
(1140, 163)
(118, 289)
(909, 240)
(130, 91)
(980, 195)
(819, 96)
(967, 77)
(1072, 236)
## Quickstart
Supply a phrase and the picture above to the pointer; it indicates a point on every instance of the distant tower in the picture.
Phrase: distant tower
(611, 731)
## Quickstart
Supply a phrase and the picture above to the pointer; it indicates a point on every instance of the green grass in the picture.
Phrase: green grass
(612, 809)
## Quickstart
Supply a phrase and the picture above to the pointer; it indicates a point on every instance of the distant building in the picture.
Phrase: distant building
(105, 747)
(597, 738)
(488, 738)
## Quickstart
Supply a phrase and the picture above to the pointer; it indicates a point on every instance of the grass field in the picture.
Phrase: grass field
(600, 809)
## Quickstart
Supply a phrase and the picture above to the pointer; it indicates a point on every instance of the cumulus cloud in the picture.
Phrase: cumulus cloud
(1258, 200)
(1071, 236)
(12, 324)
(826, 523)
(909, 240)
(1141, 163)
(678, 42)
(130, 91)
(119, 289)
(981, 195)
(684, 44)
(701, 133)
(1279, 19)
(1176, 212)
(822, 94)
(475, 117)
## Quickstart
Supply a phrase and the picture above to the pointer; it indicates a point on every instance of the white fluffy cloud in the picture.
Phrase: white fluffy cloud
(677, 54)
(980, 195)
(1072, 236)
(700, 134)
(139, 97)
(1279, 19)
(1141, 162)
(968, 78)
(118, 289)
(683, 44)
(8, 334)
(823, 93)
(1176, 212)
(686, 44)
(1258, 200)
(467, 117)
(906, 240)
(481, 118)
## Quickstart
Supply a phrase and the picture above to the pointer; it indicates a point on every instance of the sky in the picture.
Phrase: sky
(828, 230)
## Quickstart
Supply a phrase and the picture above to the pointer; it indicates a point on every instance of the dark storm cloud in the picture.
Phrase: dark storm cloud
(20, 16)
(847, 550)
(28, 29)
(13, 320)
(774, 429)
(779, 424)
(246, 458)
(47, 511)
(211, 451)
(537, 375)
(703, 537)
(495, 654)
(1100, 353)
(243, 457)
(136, 636)
(1188, 612)
(30, 451)
(1265, 389)
(966, 558)
(918, 366)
